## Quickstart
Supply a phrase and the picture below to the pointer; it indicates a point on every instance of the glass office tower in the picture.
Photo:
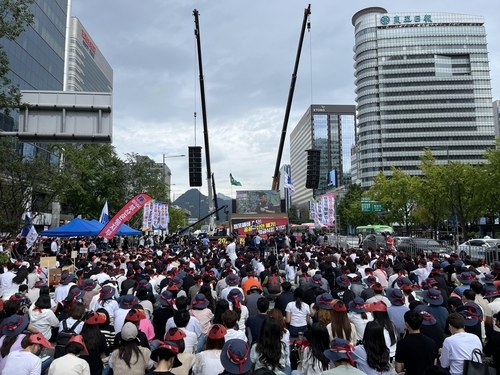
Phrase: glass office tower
(330, 129)
(422, 81)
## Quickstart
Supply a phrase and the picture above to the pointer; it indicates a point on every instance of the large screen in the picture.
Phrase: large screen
(258, 202)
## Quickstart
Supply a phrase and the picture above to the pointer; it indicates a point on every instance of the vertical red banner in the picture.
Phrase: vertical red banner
(126, 212)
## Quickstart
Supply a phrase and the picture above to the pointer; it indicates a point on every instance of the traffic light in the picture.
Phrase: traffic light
(194, 153)
(313, 162)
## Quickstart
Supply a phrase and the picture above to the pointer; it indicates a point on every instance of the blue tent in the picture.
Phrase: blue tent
(76, 227)
(124, 230)
(80, 227)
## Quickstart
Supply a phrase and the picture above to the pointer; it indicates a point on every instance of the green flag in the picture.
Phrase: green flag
(233, 181)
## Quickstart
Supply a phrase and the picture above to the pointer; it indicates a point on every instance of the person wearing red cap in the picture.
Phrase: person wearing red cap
(27, 361)
(208, 361)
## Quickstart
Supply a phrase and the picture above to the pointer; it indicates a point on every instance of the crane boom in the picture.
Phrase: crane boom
(204, 117)
(276, 176)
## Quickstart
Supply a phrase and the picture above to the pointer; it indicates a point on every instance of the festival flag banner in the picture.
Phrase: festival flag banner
(29, 231)
(156, 215)
(126, 212)
(288, 184)
(164, 218)
(104, 218)
(147, 217)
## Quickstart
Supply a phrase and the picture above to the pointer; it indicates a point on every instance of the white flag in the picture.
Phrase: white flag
(104, 214)
(29, 231)
(288, 184)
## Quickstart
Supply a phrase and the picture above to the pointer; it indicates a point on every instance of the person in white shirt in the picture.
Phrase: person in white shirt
(27, 361)
(231, 250)
(460, 346)
(62, 290)
(208, 361)
(54, 246)
(8, 276)
(422, 272)
(229, 319)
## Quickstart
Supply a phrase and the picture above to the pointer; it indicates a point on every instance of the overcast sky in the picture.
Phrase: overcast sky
(248, 49)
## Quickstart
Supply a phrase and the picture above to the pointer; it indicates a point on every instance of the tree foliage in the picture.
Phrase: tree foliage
(398, 195)
(145, 176)
(28, 183)
(15, 16)
(349, 209)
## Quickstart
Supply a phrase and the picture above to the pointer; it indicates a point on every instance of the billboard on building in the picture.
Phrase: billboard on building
(258, 202)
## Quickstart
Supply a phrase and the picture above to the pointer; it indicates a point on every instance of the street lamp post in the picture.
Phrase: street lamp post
(164, 171)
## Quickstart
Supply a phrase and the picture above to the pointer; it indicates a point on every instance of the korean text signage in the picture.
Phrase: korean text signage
(265, 226)
(88, 44)
(397, 20)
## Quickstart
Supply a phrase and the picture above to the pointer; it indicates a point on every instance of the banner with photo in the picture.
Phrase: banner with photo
(258, 202)
(322, 210)
(155, 216)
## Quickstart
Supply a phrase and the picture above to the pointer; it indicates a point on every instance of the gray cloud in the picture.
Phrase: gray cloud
(248, 55)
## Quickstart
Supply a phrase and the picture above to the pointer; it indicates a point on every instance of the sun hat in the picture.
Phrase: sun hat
(178, 335)
(107, 292)
(471, 312)
(324, 301)
(433, 297)
(488, 278)
(396, 296)
(79, 340)
(339, 349)
(166, 298)
(466, 277)
(232, 280)
(89, 284)
(96, 318)
(175, 283)
(255, 288)
(370, 280)
(170, 346)
(39, 284)
(431, 281)
(427, 318)
(404, 283)
(235, 297)
(38, 338)
(14, 325)
(343, 281)
(129, 331)
(128, 301)
(377, 286)
(491, 291)
(235, 356)
(338, 305)
(67, 278)
(199, 302)
(134, 315)
(218, 333)
(76, 292)
(357, 305)
(316, 281)
(376, 306)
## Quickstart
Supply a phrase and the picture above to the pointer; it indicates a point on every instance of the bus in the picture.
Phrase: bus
(365, 230)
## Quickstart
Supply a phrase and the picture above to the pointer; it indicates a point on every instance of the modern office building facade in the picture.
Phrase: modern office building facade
(496, 117)
(422, 81)
(328, 128)
(88, 70)
(36, 57)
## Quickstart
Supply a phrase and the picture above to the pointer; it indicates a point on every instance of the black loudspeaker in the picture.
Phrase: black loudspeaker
(194, 153)
(313, 162)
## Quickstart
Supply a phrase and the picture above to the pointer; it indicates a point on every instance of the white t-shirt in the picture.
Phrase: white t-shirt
(458, 348)
(298, 317)
(233, 334)
(190, 341)
(22, 363)
(208, 362)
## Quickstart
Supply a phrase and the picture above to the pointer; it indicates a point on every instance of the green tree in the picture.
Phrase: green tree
(433, 195)
(398, 195)
(349, 209)
(145, 176)
(467, 193)
(491, 180)
(177, 218)
(25, 183)
(298, 215)
(94, 174)
(15, 16)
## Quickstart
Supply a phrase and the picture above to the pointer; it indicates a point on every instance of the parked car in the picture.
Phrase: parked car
(412, 246)
(480, 248)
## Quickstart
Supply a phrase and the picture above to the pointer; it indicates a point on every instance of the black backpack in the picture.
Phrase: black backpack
(63, 338)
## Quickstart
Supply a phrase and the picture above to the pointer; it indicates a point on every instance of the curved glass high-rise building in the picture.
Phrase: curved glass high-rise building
(422, 81)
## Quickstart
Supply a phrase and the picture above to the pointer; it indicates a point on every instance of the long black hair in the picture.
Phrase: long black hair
(377, 352)
(269, 346)
(382, 318)
(92, 335)
(126, 351)
(298, 295)
(320, 341)
(21, 276)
